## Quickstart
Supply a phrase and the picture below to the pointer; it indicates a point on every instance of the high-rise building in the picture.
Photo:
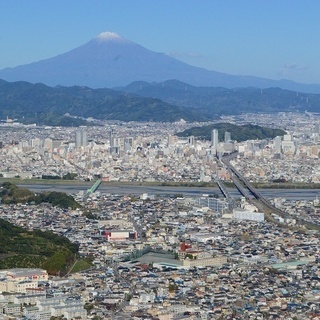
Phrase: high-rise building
(112, 139)
(116, 143)
(81, 138)
(47, 144)
(214, 140)
(36, 143)
(227, 136)
(277, 144)
(191, 140)
(288, 145)
(128, 143)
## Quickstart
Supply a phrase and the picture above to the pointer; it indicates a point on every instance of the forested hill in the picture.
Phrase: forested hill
(20, 248)
(219, 100)
(11, 194)
(238, 133)
(40, 104)
(169, 101)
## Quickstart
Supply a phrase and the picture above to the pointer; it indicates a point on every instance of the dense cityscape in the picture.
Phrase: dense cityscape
(212, 255)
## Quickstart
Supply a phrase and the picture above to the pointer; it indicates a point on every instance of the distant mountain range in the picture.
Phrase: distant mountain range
(38, 103)
(110, 60)
(218, 100)
(167, 102)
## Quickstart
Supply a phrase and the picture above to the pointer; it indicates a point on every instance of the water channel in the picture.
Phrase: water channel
(122, 189)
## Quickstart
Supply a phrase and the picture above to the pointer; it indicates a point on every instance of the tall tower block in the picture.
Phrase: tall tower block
(81, 138)
(214, 140)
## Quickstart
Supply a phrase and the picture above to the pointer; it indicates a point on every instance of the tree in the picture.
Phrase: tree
(172, 287)
(69, 176)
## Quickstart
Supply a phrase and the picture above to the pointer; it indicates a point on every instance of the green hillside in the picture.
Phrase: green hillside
(10, 194)
(20, 248)
(238, 133)
(44, 105)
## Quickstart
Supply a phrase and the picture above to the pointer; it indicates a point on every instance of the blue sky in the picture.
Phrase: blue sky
(274, 39)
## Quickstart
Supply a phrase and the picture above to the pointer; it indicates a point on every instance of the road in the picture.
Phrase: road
(253, 194)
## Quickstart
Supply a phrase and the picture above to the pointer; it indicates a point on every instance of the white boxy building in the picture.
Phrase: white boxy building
(248, 215)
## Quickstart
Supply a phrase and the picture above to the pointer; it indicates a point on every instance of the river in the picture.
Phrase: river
(122, 189)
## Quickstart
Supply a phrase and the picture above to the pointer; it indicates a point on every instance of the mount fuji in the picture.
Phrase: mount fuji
(109, 61)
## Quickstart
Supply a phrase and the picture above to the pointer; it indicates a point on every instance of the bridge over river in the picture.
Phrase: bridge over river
(254, 196)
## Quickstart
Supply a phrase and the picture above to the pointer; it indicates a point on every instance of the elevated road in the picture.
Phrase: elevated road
(225, 193)
(223, 189)
(248, 191)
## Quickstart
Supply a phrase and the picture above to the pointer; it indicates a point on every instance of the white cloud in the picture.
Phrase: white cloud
(291, 69)
(185, 55)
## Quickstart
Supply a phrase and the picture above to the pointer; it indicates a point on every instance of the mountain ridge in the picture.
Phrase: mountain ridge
(165, 102)
(220, 100)
(30, 101)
